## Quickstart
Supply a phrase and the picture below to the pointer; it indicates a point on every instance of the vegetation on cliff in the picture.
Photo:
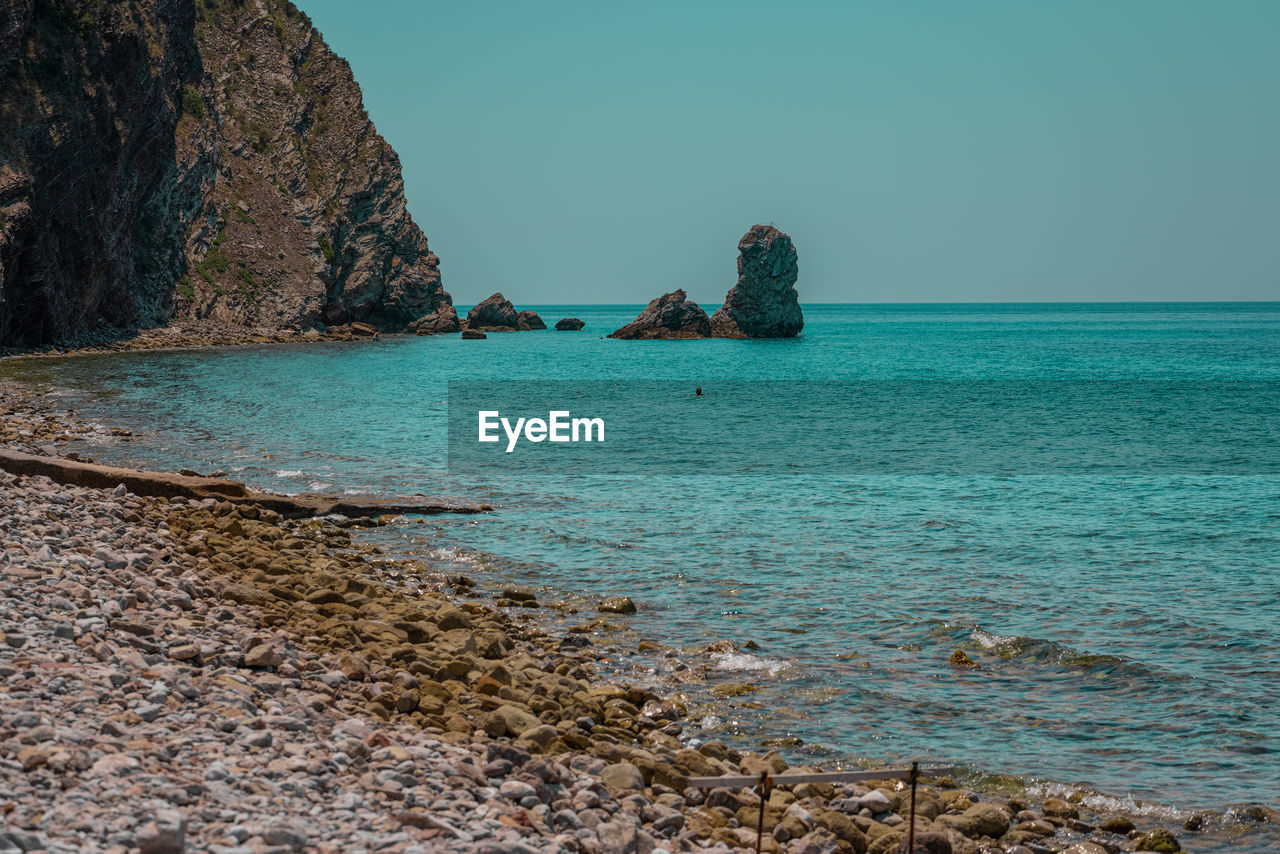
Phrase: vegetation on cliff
(194, 160)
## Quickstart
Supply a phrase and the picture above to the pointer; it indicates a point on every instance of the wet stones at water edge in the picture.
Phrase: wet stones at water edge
(497, 314)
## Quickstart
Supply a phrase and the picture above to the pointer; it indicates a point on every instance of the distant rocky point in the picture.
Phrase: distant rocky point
(763, 303)
(671, 315)
(569, 324)
(497, 314)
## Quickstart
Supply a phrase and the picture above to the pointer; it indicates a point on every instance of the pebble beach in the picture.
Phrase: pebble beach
(192, 675)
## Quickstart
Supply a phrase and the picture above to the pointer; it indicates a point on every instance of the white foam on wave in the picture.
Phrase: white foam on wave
(991, 640)
(745, 661)
(1103, 803)
(289, 473)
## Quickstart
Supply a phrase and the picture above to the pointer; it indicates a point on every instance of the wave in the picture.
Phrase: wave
(1053, 652)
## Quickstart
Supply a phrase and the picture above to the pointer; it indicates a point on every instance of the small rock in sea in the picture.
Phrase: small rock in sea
(528, 321)
(569, 324)
(472, 335)
(1117, 824)
(732, 689)
(1159, 840)
(671, 315)
(960, 658)
(618, 605)
(519, 594)
(1060, 808)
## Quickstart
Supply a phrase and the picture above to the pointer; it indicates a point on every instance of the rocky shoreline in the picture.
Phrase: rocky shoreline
(192, 674)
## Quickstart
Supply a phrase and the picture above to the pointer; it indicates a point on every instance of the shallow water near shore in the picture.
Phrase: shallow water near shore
(1125, 625)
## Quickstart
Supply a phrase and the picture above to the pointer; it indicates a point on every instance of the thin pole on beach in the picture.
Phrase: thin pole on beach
(911, 826)
(765, 785)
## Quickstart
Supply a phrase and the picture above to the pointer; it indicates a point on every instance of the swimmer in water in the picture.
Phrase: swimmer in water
(698, 391)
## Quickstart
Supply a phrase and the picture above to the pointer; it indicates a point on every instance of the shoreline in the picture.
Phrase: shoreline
(249, 587)
(183, 335)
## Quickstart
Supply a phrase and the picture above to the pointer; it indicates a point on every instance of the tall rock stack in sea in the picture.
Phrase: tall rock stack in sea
(764, 302)
(166, 159)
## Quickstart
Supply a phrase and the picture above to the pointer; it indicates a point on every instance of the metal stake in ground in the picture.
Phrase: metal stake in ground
(765, 785)
(911, 826)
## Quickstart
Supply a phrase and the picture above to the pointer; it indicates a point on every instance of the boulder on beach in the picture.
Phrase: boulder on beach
(671, 315)
(569, 324)
(529, 320)
(364, 329)
(764, 302)
(443, 320)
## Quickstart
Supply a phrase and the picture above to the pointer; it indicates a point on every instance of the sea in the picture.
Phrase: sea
(1122, 606)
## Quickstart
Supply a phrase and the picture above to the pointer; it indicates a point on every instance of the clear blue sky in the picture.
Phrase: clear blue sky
(604, 152)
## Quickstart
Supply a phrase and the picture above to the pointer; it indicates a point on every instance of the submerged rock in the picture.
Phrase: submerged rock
(618, 605)
(569, 324)
(671, 315)
(764, 302)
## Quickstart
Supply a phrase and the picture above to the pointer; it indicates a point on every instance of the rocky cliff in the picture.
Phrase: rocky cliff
(764, 302)
(194, 160)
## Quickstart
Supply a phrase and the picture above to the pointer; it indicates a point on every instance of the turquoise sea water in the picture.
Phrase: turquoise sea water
(1126, 625)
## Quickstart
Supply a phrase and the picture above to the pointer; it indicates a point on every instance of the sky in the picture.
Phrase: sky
(930, 151)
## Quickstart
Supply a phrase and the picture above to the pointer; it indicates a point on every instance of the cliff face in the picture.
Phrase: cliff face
(194, 159)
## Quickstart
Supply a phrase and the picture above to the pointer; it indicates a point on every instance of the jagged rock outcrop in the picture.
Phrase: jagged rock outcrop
(669, 316)
(443, 319)
(569, 324)
(497, 314)
(165, 160)
(529, 320)
(764, 302)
